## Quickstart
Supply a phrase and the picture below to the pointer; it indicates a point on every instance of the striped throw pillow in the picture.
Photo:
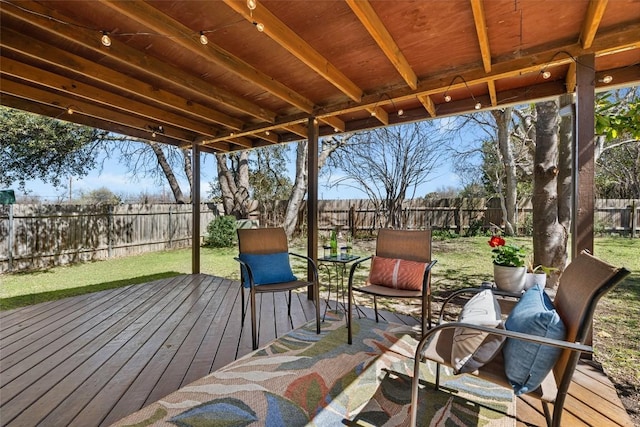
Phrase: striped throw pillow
(397, 273)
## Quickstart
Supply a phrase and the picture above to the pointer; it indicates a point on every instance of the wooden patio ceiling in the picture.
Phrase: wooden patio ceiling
(267, 66)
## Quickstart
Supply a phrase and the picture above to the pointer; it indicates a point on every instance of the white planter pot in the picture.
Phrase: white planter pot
(533, 279)
(510, 279)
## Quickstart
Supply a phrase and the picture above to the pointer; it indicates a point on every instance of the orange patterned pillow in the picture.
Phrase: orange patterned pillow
(397, 273)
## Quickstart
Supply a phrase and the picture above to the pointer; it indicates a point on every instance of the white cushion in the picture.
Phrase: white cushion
(473, 349)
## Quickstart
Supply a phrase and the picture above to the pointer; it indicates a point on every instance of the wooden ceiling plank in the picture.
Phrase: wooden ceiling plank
(571, 78)
(16, 42)
(591, 22)
(152, 18)
(428, 104)
(107, 99)
(481, 29)
(374, 25)
(241, 141)
(292, 42)
(84, 108)
(131, 58)
(491, 84)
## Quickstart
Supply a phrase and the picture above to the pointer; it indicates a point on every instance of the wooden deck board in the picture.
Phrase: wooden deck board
(93, 359)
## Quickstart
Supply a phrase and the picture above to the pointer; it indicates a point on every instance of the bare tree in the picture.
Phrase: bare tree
(299, 190)
(389, 164)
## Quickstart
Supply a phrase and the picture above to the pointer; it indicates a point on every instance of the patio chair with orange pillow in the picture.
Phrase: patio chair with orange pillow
(400, 268)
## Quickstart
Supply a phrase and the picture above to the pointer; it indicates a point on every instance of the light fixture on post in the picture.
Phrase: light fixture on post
(156, 130)
(545, 74)
(252, 4)
(105, 39)
(259, 26)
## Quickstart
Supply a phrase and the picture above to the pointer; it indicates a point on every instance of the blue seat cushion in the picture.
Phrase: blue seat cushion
(527, 363)
(268, 268)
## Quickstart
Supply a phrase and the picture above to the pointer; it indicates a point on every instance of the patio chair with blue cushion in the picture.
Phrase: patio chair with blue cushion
(265, 267)
(536, 350)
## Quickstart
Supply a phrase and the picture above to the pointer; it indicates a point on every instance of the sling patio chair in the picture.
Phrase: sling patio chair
(265, 267)
(537, 351)
(400, 268)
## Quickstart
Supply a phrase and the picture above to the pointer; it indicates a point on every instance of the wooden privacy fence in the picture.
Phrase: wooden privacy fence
(455, 214)
(39, 236)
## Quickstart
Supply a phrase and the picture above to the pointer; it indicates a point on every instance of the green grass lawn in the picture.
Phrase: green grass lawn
(462, 262)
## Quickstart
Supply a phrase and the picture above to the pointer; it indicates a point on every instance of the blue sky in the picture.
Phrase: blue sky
(115, 177)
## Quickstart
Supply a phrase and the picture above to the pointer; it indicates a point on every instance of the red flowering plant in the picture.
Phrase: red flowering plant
(506, 255)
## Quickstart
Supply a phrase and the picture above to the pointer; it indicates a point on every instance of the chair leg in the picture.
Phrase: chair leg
(375, 307)
(254, 333)
(316, 300)
(289, 305)
(437, 376)
(349, 308)
(547, 414)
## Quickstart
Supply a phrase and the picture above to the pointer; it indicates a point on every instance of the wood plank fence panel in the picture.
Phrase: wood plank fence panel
(40, 236)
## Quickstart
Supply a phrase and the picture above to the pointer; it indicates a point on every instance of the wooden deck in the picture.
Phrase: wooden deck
(91, 360)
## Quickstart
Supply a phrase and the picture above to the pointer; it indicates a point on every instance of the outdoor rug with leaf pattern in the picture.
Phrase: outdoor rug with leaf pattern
(308, 379)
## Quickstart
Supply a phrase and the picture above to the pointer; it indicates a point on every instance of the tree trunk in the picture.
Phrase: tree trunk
(188, 170)
(234, 184)
(299, 188)
(168, 173)
(503, 118)
(564, 172)
(549, 236)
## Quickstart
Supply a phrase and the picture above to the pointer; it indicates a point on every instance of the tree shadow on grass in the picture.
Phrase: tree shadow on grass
(30, 299)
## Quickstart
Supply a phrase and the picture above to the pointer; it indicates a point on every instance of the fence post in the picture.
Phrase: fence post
(10, 239)
(110, 231)
(352, 220)
(634, 219)
(170, 230)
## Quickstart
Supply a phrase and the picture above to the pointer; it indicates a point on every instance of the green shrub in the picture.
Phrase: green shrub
(221, 232)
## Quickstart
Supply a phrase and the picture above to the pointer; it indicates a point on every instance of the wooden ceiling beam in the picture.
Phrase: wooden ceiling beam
(615, 41)
(491, 84)
(428, 104)
(49, 111)
(481, 29)
(570, 79)
(131, 59)
(292, 42)
(334, 122)
(91, 94)
(372, 22)
(153, 19)
(591, 22)
(380, 114)
(80, 107)
(101, 75)
(298, 129)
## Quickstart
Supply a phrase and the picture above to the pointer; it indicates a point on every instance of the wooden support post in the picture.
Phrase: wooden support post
(634, 219)
(312, 197)
(584, 160)
(195, 210)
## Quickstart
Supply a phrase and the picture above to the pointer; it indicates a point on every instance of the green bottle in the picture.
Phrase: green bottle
(334, 244)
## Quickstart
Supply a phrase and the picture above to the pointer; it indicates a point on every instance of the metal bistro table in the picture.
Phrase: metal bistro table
(339, 264)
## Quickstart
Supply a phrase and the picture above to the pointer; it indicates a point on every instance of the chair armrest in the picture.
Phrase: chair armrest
(506, 333)
(473, 291)
(245, 267)
(314, 267)
(354, 266)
